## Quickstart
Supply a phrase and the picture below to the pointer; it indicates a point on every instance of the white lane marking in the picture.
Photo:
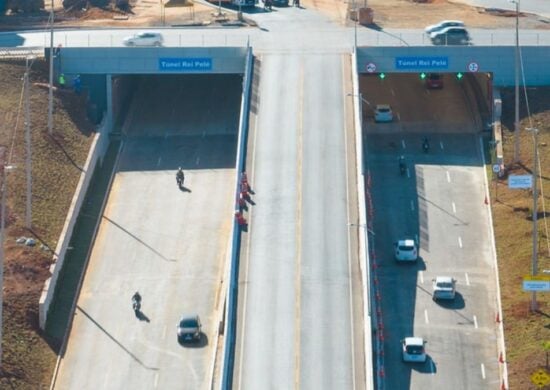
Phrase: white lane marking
(454, 208)
(392, 92)
(398, 117)
(448, 176)
(467, 279)
(197, 160)
(204, 134)
(156, 379)
(421, 274)
(403, 144)
(475, 322)
(426, 316)
(158, 162)
(164, 333)
(460, 242)
(441, 145)
(412, 205)
(483, 370)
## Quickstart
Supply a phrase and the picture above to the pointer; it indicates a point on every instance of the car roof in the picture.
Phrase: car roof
(406, 242)
(443, 279)
(414, 341)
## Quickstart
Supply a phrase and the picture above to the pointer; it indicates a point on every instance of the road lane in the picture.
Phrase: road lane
(297, 317)
(442, 203)
(167, 244)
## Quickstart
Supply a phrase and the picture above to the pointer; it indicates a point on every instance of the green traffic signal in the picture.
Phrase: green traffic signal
(459, 75)
(422, 75)
(382, 76)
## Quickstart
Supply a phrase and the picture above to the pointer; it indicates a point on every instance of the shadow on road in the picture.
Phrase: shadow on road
(139, 240)
(115, 340)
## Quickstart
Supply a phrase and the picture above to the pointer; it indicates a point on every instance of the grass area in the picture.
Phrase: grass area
(28, 355)
(525, 331)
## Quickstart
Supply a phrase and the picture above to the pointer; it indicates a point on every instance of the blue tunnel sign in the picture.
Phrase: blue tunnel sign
(185, 64)
(415, 63)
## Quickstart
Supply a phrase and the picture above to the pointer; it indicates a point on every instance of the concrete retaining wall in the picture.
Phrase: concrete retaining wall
(96, 154)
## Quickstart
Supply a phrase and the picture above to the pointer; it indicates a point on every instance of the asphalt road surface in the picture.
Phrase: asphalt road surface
(440, 203)
(168, 244)
(300, 325)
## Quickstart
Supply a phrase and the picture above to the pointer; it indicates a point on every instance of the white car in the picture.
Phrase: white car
(405, 250)
(413, 350)
(146, 38)
(443, 24)
(383, 113)
(444, 288)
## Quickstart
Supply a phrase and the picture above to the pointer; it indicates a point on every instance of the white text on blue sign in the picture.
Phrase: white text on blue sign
(185, 64)
(421, 62)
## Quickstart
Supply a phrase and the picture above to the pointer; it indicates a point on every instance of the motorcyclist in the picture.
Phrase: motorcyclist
(425, 144)
(402, 166)
(180, 177)
(136, 302)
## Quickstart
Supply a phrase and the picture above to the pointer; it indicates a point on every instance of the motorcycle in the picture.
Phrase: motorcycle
(425, 145)
(402, 165)
(136, 305)
(179, 179)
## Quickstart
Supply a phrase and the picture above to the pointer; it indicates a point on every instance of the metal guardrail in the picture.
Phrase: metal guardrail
(21, 52)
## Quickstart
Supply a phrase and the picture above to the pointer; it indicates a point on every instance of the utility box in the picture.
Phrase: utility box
(366, 16)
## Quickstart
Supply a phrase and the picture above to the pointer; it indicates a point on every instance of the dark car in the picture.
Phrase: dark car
(451, 36)
(434, 81)
(189, 328)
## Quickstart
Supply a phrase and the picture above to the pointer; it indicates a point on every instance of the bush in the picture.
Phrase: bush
(25, 6)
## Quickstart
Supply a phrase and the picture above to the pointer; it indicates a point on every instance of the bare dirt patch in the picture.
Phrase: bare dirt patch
(28, 355)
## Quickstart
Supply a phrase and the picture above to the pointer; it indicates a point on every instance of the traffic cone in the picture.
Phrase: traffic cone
(500, 358)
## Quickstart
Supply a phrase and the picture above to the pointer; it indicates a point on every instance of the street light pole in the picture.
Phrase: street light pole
(50, 89)
(534, 259)
(4, 189)
(517, 64)
(28, 150)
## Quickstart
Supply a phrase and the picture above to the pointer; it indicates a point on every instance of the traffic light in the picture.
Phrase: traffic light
(422, 75)
(382, 76)
(459, 76)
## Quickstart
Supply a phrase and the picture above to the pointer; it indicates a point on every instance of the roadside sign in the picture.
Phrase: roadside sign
(520, 181)
(536, 285)
(496, 168)
(544, 278)
(540, 378)
(371, 67)
(473, 67)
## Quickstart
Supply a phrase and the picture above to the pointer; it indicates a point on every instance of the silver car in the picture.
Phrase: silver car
(146, 38)
(383, 113)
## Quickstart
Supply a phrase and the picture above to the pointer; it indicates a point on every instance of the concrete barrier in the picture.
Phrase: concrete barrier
(96, 153)
(232, 275)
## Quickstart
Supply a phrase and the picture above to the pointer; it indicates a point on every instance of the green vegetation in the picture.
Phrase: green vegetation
(525, 331)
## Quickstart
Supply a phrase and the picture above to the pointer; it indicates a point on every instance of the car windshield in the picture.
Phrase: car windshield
(383, 109)
(406, 248)
(415, 349)
(445, 285)
(188, 323)
(434, 77)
